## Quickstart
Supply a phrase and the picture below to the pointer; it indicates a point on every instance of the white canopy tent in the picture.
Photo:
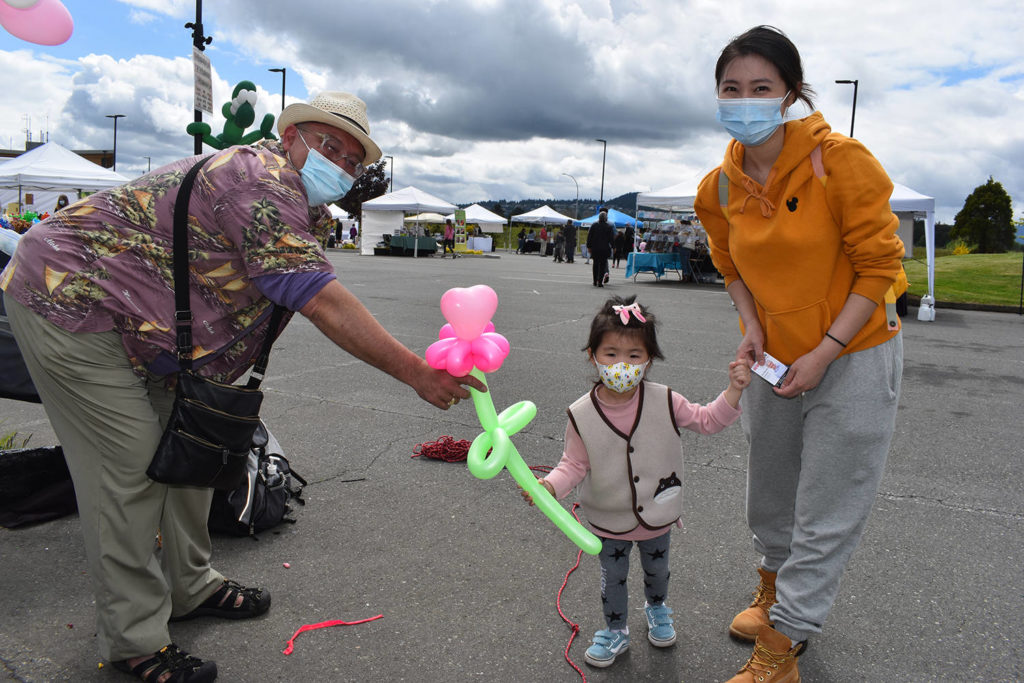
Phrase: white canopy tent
(384, 214)
(346, 219)
(907, 204)
(678, 197)
(478, 215)
(544, 215)
(426, 217)
(49, 171)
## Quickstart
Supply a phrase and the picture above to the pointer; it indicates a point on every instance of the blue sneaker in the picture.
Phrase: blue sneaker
(659, 625)
(607, 646)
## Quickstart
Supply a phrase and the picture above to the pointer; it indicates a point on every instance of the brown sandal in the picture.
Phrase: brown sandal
(255, 601)
(182, 667)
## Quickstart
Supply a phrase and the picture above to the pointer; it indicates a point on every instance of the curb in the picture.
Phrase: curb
(914, 300)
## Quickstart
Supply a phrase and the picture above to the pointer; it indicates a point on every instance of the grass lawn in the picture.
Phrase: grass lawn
(970, 278)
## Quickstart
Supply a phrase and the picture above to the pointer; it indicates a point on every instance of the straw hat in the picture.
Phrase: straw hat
(342, 110)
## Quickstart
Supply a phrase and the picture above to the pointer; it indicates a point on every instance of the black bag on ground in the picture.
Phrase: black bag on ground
(35, 486)
(264, 500)
(210, 431)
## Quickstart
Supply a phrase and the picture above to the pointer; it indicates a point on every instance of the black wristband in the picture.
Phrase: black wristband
(835, 340)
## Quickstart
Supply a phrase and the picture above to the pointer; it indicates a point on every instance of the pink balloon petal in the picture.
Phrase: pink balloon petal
(437, 353)
(460, 359)
(499, 340)
(446, 331)
(487, 356)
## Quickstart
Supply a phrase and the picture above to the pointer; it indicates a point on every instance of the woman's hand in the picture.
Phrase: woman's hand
(751, 348)
(543, 482)
(805, 373)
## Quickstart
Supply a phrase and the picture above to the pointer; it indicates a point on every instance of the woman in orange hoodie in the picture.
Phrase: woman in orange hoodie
(800, 226)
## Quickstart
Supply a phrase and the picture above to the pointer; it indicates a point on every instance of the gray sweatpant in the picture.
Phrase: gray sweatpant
(109, 421)
(814, 467)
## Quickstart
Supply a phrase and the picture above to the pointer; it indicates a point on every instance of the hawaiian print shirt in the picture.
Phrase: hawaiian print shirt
(105, 262)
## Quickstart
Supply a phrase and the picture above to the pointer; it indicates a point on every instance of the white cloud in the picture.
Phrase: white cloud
(489, 99)
(141, 18)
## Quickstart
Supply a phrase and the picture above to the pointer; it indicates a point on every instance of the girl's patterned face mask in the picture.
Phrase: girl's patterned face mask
(621, 377)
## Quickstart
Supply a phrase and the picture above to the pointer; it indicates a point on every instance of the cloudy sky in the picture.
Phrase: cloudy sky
(493, 99)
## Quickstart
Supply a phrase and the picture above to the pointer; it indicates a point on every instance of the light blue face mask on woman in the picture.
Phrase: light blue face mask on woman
(750, 120)
(324, 182)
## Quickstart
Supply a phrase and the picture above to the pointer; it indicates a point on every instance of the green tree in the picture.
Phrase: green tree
(371, 184)
(986, 220)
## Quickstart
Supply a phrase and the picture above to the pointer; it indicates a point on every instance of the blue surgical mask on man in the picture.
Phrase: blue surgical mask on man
(750, 120)
(324, 182)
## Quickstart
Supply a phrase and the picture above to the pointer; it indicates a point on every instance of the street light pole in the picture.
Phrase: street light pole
(577, 214)
(284, 73)
(853, 113)
(604, 155)
(115, 117)
(391, 167)
(199, 41)
(149, 164)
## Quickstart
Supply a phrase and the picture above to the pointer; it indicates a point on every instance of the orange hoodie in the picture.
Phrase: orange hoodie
(801, 246)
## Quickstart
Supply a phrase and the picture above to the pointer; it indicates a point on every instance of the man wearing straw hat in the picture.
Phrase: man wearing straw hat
(89, 294)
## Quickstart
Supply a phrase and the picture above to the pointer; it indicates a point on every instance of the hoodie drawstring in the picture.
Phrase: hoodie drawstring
(767, 207)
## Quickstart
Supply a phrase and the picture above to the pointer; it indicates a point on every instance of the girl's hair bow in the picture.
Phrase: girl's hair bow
(624, 312)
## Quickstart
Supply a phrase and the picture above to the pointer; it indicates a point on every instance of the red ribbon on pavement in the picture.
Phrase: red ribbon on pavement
(324, 624)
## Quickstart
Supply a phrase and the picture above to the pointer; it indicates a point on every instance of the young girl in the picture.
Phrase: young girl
(622, 447)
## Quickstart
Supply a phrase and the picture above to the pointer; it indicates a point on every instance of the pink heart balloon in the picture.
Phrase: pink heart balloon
(469, 309)
(46, 22)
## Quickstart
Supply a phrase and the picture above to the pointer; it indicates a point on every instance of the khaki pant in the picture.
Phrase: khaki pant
(109, 421)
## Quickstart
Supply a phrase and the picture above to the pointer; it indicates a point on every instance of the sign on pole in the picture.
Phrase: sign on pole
(204, 81)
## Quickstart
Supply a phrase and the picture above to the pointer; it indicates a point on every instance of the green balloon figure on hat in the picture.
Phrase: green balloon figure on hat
(239, 114)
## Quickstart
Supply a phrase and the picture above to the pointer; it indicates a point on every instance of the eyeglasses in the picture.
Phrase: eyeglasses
(333, 150)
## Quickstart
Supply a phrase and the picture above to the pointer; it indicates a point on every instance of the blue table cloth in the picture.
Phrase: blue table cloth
(657, 263)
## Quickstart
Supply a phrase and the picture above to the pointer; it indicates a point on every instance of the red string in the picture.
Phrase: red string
(573, 626)
(324, 624)
(445, 448)
(448, 449)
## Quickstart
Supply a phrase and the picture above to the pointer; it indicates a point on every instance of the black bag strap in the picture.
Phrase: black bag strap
(182, 304)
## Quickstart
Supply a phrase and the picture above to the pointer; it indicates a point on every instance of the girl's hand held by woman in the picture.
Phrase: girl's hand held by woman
(739, 379)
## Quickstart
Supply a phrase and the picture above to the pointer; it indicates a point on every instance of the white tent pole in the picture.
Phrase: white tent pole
(926, 310)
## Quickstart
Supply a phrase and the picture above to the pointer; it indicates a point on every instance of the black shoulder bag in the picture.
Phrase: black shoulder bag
(212, 425)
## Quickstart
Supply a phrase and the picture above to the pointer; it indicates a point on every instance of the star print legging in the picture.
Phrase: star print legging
(615, 568)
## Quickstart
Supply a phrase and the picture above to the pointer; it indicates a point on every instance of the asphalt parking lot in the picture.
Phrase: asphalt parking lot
(466, 575)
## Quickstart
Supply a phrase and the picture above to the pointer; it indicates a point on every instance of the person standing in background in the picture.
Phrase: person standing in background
(599, 246)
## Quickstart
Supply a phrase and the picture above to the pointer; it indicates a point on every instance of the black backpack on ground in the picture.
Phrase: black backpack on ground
(264, 500)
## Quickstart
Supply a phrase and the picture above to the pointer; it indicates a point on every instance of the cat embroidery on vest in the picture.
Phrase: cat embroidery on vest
(668, 488)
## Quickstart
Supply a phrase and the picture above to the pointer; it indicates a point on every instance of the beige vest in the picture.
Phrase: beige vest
(635, 479)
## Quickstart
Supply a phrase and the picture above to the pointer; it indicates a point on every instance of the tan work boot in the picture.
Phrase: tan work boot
(774, 660)
(748, 623)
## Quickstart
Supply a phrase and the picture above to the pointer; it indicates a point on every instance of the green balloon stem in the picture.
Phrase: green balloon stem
(484, 467)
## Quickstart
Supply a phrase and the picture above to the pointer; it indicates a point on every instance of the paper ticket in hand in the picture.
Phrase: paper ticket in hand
(772, 370)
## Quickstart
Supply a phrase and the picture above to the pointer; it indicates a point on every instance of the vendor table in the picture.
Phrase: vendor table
(645, 262)
(404, 245)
